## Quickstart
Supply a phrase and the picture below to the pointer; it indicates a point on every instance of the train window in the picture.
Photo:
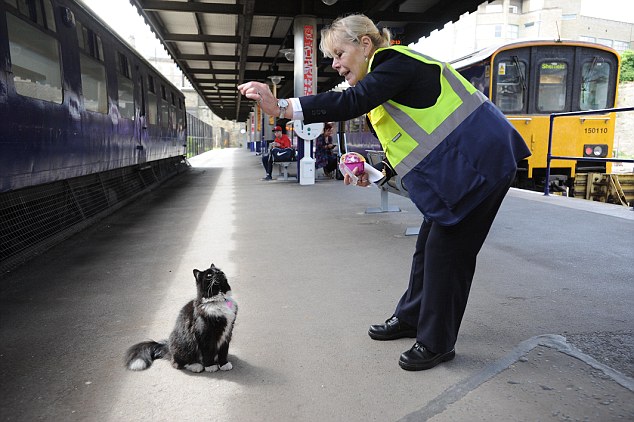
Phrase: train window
(172, 117)
(35, 61)
(125, 87)
(151, 108)
(356, 125)
(90, 42)
(164, 108)
(595, 85)
(93, 82)
(152, 104)
(510, 85)
(173, 111)
(181, 120)
(123, 65)
(479, 76)
(551, 93)
(93, 71)
(37, 11)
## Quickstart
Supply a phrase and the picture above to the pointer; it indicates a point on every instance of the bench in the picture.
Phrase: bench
(394, 185)
(282, 167)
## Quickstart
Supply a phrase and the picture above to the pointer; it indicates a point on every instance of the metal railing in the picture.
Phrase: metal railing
(550, 157)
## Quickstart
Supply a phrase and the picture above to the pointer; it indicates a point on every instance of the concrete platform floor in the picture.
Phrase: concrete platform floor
(547, 336)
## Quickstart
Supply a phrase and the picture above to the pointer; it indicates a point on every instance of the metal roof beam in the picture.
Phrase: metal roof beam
(219, 39)
(226, 58)
(189, 7)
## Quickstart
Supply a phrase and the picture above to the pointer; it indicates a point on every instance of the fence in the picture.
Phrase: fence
(200, 136)
(36, 218)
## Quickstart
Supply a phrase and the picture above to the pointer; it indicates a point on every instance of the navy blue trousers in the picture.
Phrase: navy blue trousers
(442, 271)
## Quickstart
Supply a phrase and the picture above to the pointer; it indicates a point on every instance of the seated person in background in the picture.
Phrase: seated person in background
(324, 154)
(280, 141)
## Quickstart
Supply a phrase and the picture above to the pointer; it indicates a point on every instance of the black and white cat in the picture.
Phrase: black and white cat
(200, 339)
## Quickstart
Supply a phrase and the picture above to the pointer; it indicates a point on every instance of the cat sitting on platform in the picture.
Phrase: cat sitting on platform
(200, 339)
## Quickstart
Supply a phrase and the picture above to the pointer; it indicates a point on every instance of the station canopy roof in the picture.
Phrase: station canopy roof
(219, 44)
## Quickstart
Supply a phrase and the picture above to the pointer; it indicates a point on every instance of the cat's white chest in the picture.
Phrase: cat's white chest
(226, 308)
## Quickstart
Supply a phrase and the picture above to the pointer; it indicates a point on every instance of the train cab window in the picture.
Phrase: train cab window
(93, 71)
(152, 104)
(35, 58)
(595, 84)
(552, 86)
(125, 87)
(510, 85)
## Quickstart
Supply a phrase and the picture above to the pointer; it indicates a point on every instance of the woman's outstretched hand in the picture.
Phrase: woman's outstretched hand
(260, 93)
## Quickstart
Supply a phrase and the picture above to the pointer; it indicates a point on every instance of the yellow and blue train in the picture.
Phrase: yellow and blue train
(529, 80)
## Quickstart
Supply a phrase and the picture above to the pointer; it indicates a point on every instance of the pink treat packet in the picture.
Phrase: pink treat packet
(353, 160)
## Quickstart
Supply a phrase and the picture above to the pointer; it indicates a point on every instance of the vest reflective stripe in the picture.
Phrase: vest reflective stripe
(418, 143)
(427, 142)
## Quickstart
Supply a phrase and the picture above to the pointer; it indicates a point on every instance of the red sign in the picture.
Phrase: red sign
(309, 58)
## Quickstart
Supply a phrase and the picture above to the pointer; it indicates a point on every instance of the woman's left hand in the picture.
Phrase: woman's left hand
(260, 93)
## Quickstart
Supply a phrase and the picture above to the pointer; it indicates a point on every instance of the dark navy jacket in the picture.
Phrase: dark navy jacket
(477, 157)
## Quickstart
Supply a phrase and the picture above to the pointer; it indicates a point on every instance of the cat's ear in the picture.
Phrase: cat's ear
(212, 266)
(196, 272)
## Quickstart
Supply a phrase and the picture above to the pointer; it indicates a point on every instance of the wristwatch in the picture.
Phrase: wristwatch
(283, 105)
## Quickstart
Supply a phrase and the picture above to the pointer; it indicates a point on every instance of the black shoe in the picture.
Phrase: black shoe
(391, 330)
(268, 177)
(418, 358)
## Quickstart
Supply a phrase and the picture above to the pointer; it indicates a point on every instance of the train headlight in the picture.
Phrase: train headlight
(595, 150)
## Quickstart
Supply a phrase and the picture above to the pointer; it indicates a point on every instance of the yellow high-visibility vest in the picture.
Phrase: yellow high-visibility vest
(409, 134)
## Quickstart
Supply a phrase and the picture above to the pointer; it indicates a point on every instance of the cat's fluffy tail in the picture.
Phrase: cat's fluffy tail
(141, 355)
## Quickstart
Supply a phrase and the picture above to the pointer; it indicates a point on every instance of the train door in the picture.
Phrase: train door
(553, 68)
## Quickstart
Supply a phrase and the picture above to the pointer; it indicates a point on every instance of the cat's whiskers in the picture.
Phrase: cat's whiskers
(210, 288)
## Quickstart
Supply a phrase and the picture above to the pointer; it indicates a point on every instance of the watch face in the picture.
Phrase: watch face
(282, 103)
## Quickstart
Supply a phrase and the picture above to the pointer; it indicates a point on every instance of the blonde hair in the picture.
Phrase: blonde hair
(350, 29)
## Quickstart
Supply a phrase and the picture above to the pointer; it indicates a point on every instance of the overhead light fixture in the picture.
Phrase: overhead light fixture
(289, 53)
(329, 2)
(274, 74)
(276, 79)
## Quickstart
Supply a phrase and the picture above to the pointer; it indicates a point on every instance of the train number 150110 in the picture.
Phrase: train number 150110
(596, 130)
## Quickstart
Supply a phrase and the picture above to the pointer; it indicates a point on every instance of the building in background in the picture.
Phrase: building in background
(506, 20)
